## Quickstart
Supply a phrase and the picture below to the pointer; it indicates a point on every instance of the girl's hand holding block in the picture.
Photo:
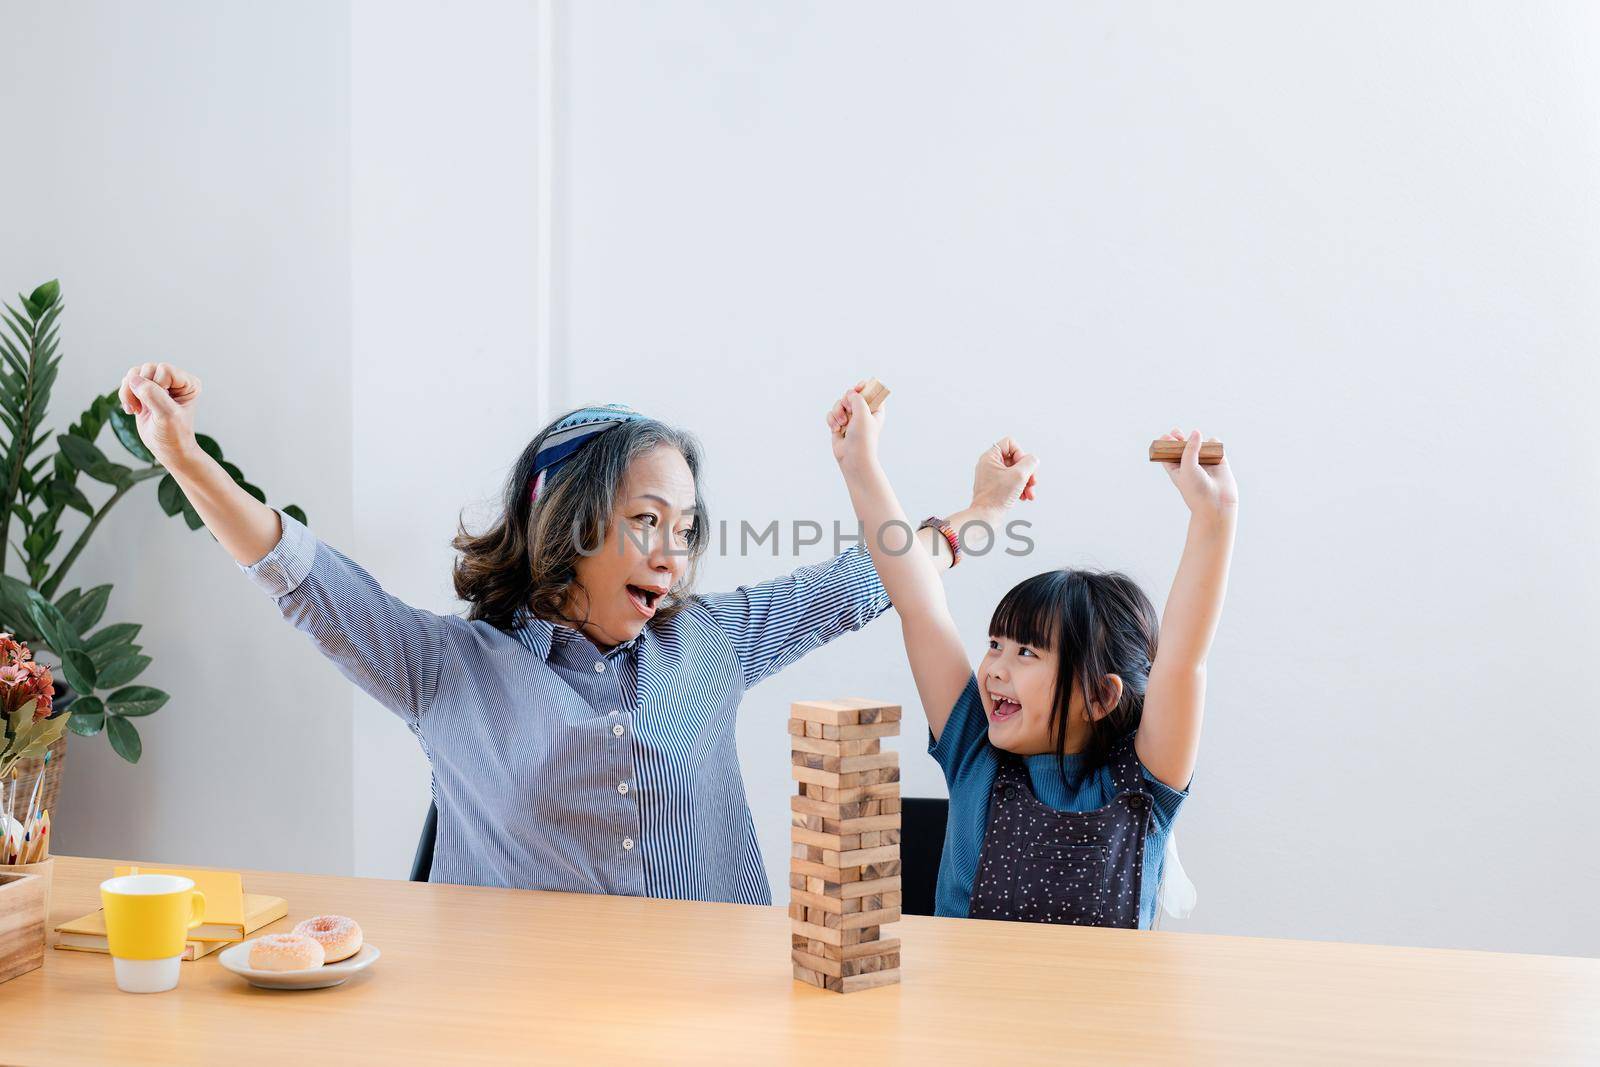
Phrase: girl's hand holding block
(1208, 488)
(1169, 450)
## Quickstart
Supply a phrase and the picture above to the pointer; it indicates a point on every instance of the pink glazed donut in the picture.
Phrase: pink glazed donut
(285, 952)
(339, 936)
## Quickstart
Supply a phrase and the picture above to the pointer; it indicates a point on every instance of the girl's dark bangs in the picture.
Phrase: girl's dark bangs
(1029, 614)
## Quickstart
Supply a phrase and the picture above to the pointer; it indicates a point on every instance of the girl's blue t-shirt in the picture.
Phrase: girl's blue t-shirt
(970, 764)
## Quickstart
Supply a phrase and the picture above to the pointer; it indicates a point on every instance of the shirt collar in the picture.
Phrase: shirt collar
(543, 636)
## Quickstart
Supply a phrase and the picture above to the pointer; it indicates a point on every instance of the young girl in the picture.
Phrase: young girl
(1069, 752)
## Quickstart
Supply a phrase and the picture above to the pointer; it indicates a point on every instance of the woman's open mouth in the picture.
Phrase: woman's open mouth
(644, 599)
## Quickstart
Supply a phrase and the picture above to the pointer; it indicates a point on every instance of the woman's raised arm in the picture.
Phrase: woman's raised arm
(391, 650)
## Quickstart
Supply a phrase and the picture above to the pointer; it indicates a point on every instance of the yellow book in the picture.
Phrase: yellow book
(88, 933)
(224, 890)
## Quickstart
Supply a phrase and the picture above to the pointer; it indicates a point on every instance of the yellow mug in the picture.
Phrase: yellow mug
(148, 919)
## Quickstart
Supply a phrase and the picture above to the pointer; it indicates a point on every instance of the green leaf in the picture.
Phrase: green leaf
(85, 613)
(115, 634)
(137, 700)
(209, 446)
(126, 427)
(254, 491)
(80, 670)
(22, 513)
(124, 738)
(83, 454)
(294, 511)
(111, 473)
(65, 601)
(45, 296)
(233, 472)
(61, 491)
(122, 671)
(88, 716)
(50, 623)
(191, 516)
(169, 495)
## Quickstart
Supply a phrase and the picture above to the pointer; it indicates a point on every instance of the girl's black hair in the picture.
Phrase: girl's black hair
(1097, 623)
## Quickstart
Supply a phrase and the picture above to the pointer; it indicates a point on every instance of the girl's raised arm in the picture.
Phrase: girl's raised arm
(939, 662)
(1168, 740)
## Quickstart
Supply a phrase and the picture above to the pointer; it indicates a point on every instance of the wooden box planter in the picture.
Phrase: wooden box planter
(22, 923)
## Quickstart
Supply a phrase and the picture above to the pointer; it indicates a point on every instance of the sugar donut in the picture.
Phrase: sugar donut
(285, 952)
(340, 936)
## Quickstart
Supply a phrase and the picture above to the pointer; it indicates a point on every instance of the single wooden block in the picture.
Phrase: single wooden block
(797, 882)
(859, 826)
(797, 727)
(881, 917)
(825, 713)
(814, 729)
(833, 935)
(887, 806)
(872, 711)
(861, 857)
(837, 875)
(842, 764)
(833, 842)
(871, 872)
(860, 730)
(831, 903)
(864, 949)
(822, 746)
(880, 791)
(839, 968)
(817, 806)
(866, 887)
(874, 393)
(869, 981)
(816, 978)
(801, 821)
(1167, 450)
(844, 780)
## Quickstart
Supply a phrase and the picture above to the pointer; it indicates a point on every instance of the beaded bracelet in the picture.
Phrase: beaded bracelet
(944, 527)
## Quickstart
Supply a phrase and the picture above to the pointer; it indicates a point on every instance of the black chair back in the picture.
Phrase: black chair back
(422, 865)
(922, 823)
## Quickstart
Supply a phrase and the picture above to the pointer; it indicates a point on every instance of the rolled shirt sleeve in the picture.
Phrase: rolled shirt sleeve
(391, 650)
(774, 623)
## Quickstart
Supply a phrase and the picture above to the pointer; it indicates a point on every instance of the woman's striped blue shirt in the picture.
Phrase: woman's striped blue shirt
(558, 766)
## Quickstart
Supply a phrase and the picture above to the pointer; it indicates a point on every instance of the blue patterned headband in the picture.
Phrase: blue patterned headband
(571, 434)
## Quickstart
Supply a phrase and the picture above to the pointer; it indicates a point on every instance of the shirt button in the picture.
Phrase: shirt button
(599, 668)
(622, 787)
(617, 731)
(627, 842)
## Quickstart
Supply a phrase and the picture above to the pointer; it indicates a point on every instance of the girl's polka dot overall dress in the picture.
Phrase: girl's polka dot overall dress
(1077, 867)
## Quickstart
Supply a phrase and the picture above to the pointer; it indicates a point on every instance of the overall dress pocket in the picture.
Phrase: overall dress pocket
(1063, 883)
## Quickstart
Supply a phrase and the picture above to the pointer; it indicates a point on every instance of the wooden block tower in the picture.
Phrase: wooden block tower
(844, 871)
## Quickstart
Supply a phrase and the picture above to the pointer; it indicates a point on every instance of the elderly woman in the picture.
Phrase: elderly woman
(579, 721)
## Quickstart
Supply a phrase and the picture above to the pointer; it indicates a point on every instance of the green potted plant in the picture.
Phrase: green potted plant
(99, 661)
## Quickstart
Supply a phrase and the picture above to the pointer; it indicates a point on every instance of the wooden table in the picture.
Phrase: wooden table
(479, 975)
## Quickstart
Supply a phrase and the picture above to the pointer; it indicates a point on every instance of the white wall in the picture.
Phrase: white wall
(181, 168)
(1356, 242)
(447, 377)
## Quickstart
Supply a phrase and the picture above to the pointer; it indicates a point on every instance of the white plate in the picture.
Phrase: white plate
(236, 958)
